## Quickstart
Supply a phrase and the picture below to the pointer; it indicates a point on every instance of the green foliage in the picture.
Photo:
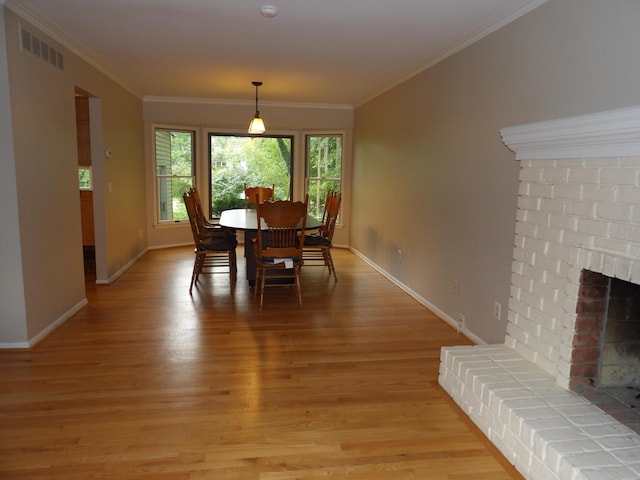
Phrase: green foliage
(175, 170)
(84, 178)
(254, 161)
(324, 170)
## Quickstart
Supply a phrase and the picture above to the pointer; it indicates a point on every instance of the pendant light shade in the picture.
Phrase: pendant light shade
(256, 126)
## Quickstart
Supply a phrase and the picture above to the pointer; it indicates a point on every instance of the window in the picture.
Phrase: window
(236, 160)
(84, 178)
(324, 169)
(175, 172)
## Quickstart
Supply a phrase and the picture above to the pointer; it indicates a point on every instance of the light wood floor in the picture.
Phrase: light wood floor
(147, 382)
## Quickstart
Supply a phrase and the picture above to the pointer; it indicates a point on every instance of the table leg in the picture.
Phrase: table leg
(250, 259)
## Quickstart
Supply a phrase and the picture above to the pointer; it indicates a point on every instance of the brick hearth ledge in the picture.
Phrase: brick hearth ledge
(544, 430)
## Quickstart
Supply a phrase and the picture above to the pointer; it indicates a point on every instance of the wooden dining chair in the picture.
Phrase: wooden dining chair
(317, 247)
(215, 247)
(208, 227)
(278, 244)
(263, 194)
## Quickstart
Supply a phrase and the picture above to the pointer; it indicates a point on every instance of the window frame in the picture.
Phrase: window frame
(292, 136)
(307, 178)
(90, 170)
(156, 177)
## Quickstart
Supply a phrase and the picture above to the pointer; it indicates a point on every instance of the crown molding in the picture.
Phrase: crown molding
(54, 32)
(614, 133)
(244, 103)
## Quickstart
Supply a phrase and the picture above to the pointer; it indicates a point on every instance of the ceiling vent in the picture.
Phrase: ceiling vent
(30, 43)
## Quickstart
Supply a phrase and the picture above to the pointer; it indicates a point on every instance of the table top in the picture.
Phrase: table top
(246, 219)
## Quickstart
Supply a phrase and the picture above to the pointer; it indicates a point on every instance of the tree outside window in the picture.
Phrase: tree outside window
(324, 169)
(175, 172)
(236, 160)
(84, 178)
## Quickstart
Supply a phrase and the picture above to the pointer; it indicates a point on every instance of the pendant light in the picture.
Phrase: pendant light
(257, 125)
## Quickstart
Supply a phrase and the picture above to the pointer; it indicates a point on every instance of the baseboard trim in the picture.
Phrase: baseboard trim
(428, 304)
(32, 342)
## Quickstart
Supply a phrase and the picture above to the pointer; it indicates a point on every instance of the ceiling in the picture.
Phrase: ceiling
(339, 52)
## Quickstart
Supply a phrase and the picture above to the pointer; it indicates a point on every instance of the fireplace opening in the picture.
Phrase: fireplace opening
(605, 361)
(620, 345)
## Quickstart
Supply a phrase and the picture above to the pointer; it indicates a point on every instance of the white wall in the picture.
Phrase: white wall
(437, 136)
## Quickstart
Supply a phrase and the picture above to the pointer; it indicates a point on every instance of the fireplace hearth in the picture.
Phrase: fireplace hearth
(578, 219)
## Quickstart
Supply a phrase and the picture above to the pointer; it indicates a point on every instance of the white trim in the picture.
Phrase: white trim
(613, 133)
(50, 328)
(128, 265)
(423, 301)
(244, 103)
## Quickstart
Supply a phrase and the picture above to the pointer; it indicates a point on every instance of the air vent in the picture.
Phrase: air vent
(30, 43)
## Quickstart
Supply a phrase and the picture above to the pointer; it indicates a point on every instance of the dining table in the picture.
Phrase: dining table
(246, 220)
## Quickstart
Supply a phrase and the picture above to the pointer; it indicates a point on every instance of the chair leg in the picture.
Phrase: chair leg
(297, 271)
(328, 261)
(263, 280)
(256, 284)
(233, 269)
(197, 268)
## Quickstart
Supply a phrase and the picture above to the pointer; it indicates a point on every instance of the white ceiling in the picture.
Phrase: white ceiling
(313, 51)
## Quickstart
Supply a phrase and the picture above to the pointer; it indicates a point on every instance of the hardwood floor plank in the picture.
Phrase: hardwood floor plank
(148, 382)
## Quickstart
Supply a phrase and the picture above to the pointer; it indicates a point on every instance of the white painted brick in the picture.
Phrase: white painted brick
(566, 162)
(539, 471)
(523, 189)
(570, 465)
(550, 234)
(628, 194)
(630, 161)
(526, 229)
(621, 231)
(584, 175)
(616, 439)
(568, 191)
(530, 175)
(574, 206)
(611, 211)
(607, 473)
(593, 227)
(634, 234)
(551, 205)
(619, 176)
(555, 175)
(599, 193)
(627, 455)
(635, 272)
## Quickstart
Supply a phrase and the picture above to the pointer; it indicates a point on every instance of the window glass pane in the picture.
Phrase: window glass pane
(175, 167)
(237, 160)
(84, 178)
(324, 169)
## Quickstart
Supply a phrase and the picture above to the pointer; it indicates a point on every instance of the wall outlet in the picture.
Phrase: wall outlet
(398, 255)
(455, 287)
(497, 310)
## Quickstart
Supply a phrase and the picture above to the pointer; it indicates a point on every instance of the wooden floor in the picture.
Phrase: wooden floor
(147, 382)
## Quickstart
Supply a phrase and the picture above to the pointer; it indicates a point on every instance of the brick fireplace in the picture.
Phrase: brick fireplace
(577, 226)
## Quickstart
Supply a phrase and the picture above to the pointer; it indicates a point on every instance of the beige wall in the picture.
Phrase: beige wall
(436, 136)
(45, 160)
(13, 326)
(234, 118)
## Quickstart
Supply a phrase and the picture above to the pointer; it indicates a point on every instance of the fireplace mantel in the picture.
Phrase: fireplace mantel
(606, 134)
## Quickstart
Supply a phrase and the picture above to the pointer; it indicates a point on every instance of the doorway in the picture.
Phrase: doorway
(85, 185)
